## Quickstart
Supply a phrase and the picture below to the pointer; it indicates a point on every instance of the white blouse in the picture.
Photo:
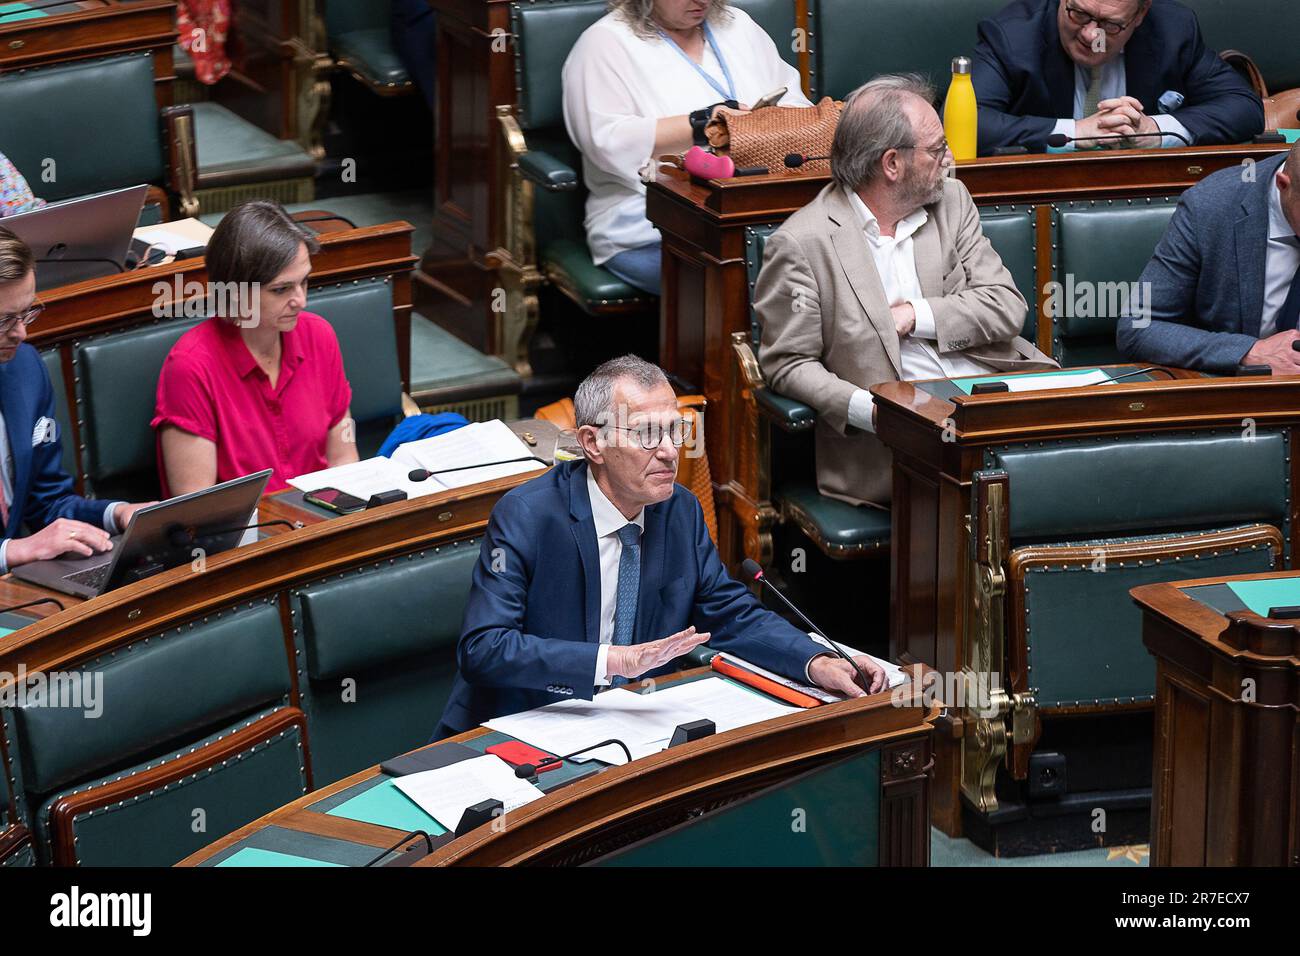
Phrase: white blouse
(617, 85)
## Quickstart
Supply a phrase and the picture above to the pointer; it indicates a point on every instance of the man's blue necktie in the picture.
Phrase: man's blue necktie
(1290, 314)
(629, 590)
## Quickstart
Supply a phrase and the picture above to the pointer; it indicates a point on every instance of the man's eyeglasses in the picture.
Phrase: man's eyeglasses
(938, 152)
(1082, 18)
(26, 317)
(650, 435)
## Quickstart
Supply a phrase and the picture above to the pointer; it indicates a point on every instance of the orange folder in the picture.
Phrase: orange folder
(759, 682)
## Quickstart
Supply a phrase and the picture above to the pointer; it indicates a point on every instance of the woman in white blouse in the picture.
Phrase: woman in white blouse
(631, 84)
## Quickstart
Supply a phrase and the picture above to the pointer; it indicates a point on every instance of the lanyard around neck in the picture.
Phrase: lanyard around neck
(730, 91)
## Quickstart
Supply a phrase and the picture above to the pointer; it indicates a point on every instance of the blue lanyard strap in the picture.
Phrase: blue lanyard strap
(730, 91)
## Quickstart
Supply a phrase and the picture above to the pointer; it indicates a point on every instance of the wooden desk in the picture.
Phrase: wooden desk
(937, 446)
(1226, 783)
(585, 820)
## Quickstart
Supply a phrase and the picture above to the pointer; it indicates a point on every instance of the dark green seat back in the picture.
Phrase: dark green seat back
(54, 366)
(96, 120)
(854, 40)
(1102, 246)
(117, 386)
(361, 313)
(1011, 231)
(1256, 29)
(385, 634)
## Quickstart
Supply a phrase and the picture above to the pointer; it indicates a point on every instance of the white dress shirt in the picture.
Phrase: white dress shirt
(895, 261)
(617, 85)
(1280, 263)
(7, 489)
(1114, 83)
(608, 520)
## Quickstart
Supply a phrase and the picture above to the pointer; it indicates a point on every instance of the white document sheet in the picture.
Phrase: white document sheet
(174, 236)
(1034, 383)
(470, 445)
(892, 671)
(445, 793)
(728, 705)
(365, 478)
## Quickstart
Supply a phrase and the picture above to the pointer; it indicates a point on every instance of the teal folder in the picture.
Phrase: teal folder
(966, 384)
(386, 806)
(1291, 135)
(251, 856)
(1267, 593)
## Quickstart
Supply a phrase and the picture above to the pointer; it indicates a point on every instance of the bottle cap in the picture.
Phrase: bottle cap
(961, 65)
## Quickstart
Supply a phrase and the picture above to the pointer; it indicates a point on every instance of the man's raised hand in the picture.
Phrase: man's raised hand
(633, 660)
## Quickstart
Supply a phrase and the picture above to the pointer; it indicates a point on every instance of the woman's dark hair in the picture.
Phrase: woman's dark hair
(255, 242)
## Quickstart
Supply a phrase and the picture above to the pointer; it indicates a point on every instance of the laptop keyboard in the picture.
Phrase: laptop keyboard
(92, 578)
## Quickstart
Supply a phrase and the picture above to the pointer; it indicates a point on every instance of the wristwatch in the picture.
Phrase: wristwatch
(700, 119)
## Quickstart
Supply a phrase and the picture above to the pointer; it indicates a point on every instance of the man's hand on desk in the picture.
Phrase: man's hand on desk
(62, 536)
(835, 674)
(633, 660)
(904, 318)
(1122, 116)
(1276, 352)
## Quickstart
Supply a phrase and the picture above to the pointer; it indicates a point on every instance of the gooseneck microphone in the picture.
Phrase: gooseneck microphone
(526, 770)
(423, 474)
(795, 160)
(1057, 140)
(755, 571)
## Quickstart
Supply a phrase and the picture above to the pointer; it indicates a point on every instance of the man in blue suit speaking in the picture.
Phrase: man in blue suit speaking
(602, 571)
(35, 493)
(1134, 69)
(1223, 287)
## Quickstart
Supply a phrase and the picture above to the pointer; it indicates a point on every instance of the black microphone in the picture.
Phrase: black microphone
(423, 474)
(795, 160)
(526, 770)
(1057, 140)
(755, 571)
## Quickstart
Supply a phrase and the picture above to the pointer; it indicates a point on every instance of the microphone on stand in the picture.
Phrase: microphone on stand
(526, 770)
(795, 160)
(423, 474)
(755, 571)
(1057, 140)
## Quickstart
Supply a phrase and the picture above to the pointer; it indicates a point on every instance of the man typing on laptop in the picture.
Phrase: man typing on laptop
(34, 490)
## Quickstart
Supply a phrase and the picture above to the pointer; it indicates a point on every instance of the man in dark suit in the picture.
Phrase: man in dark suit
(1137, 69)
(602, 571)
(35, 493)
(1223, 288)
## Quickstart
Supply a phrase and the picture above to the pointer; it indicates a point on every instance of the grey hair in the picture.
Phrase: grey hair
(872, 122)
(593, 402)
(639, 14)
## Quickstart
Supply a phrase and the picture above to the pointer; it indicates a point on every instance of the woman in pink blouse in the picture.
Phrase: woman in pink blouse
(261, 383)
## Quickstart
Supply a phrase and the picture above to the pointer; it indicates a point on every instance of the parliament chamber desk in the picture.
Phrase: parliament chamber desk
(707, 275)
(1004, 502)
(1227, 768)
(841, 784)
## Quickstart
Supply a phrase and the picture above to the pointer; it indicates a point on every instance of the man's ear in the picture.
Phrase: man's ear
(1143, 9)
(892, 164)
(592, 447)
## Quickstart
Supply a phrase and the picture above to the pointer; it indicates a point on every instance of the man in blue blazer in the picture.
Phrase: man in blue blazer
(602, 571)
(1223, 287)
(1086, 68)
(36, 495)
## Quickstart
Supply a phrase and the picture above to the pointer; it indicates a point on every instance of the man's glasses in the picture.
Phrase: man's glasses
(26, 317)
(938, 152)
(650, 435)
(1082, 18)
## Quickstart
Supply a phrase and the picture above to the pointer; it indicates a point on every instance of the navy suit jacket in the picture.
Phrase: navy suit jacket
(532, 626)
(1024, 79)
(1207, 276)
(42, 489)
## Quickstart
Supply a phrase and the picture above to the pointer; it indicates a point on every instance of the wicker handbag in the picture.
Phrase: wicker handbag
(765, 137)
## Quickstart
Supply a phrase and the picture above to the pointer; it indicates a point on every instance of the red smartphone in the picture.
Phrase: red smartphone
(516, 753)
(335, 500)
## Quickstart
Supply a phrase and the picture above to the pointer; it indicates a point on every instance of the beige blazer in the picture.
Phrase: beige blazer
(827, 329)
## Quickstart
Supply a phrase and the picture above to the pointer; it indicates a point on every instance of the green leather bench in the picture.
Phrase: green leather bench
(194, 737)
(1225, 27)
(238, 161)
(360, 38)
(380, 657)
(117, 378)
(54, 365)
(90, 126)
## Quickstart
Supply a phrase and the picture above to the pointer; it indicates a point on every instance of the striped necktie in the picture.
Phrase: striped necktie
(629, 590)
(1093, 96)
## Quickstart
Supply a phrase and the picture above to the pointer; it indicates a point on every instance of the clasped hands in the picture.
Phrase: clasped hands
(831, 673)
(1121, 116)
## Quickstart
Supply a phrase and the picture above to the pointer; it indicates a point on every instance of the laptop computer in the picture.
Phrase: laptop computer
(82, 238)
(159, 537)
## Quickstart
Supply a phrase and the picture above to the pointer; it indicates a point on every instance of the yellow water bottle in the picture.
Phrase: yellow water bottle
(960, 112)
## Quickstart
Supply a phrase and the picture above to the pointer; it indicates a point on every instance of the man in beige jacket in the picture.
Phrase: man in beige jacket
(886, 275)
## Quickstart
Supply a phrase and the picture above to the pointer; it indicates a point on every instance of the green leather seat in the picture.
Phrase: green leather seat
(840, 528)
(853, 40)
(381, 655)
(54, 366)
(1101, 248)
(1011, 231)
(448, 374)
(1225, 28)
(233, 152)
(360, 37)
(156, 700)
(21, 855)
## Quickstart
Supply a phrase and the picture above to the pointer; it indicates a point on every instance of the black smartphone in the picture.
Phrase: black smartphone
(334, 500)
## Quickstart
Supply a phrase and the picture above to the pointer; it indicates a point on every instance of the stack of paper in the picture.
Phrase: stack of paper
(445, 793)
(366, 478)
(474, 444)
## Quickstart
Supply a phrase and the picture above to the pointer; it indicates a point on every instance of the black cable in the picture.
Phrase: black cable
(526, 770)
(1143, 371)
(19, 607)
(427, 839)
(112, 262)
(329, 219)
